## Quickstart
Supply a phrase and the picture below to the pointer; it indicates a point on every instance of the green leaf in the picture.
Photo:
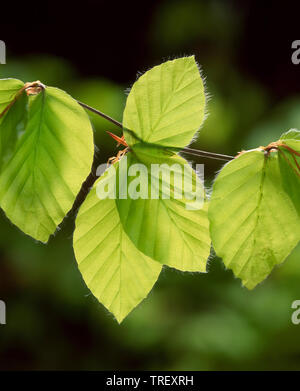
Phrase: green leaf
(289, 163)
(52, 158)
(254, 224)
(117, 274)
(8, 91)
(291, 139)
(166, 105)
(172, 231)
(291, 134)
(12, 124)
(12, 121)
(290, 176)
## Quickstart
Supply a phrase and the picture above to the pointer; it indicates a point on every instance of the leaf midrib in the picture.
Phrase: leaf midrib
(257, 209)
(37, 138)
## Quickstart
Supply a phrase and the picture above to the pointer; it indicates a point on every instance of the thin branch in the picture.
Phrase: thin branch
(95, 111)
(190, 151)
(209, 155)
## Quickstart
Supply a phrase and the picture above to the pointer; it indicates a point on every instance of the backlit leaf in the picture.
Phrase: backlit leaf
(11, 127)
(12, 121)
(254, 224)
(8, 91)
(173, 231)
(166, 105)
(51, 159)
(292, 134)
(117, 274)
(289, 164)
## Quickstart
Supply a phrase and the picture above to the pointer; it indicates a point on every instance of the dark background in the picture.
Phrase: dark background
(94, 50)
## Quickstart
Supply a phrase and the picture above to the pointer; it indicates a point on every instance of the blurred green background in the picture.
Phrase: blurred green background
(189, 321)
